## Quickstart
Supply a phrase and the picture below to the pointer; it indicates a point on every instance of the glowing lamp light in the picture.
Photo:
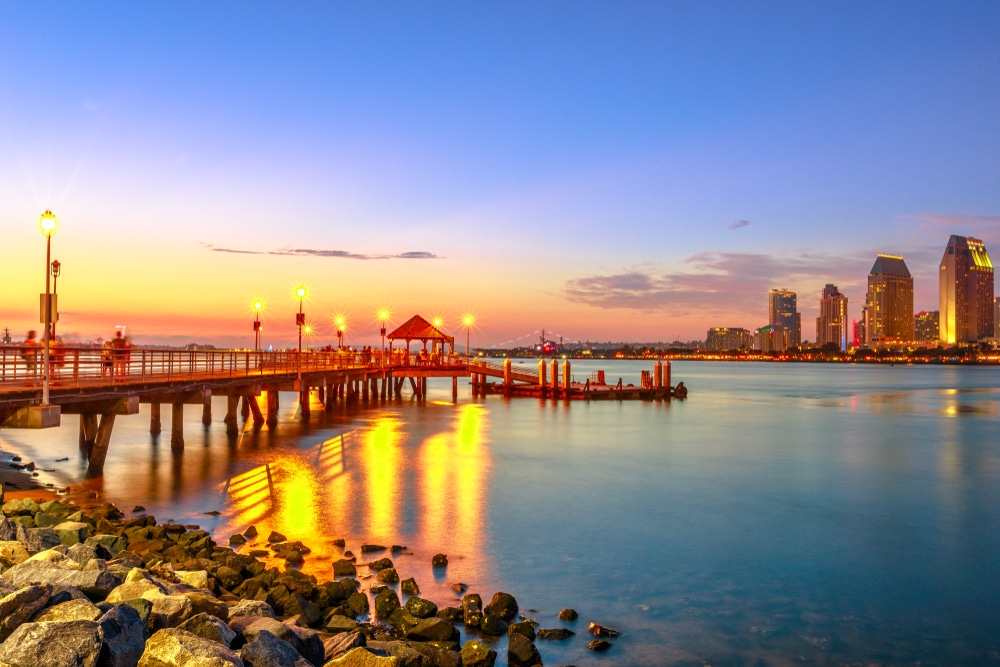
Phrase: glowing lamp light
(47, 223)
(300, 292)
(468, 320)
(438, 322)
(383, 315)
(257, 305)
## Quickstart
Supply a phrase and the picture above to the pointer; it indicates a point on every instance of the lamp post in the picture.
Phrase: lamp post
(383, 316)
(56, 270)
(468, 329)
(340, 331)
(257, 305)
(47, 223)
(300, 321)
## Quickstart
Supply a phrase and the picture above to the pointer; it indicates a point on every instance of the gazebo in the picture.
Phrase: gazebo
(417, 328)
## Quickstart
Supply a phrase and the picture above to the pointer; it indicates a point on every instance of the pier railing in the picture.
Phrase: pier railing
(21, 368)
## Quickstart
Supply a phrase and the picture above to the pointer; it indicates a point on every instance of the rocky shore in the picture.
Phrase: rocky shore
(84, 585)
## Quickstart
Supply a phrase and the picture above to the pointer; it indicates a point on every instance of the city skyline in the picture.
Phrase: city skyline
(629, 173)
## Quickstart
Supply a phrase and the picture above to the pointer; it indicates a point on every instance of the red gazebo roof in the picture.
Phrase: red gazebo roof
(417, 328)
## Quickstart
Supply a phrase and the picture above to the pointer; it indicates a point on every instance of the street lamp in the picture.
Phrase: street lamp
(47, 224)
(257, 305)
(56, 270)
(468, 328)
(308, 331)
(383, 316)
(341, 327)
(300, 321)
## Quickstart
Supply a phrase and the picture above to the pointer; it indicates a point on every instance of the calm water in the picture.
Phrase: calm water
(783, 514)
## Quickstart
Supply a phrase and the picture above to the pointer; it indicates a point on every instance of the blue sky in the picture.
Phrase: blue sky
(628, 171)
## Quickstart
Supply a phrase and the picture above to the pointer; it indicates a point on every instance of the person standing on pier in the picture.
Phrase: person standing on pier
(30, 354)
(118, 355)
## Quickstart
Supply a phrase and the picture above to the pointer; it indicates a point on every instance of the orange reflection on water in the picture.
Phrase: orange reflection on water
(381, 446)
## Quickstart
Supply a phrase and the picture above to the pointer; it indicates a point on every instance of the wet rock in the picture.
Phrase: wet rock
(601, 631)
(433, 630)
(204, 603)
(599, 645)
(362, 657)
(555, 633)
(503, 605)
(523, 628)
(421, 608)
(386, 602)
(358, 603)
(492, 625)
(113, 543)
(173, 647)
(73, 610)
(46, 520)
(458, 587)
(55, 643)
(450, 614)
(409, 586)
(568, 615)
(403, 620)
(275, 536)
(339, 542)
(196, 578)
(388, 575)
(439, 560)
(266, 650)
(472, 610)
(250, 532)
(124, 633)
(477, 654)
(255, 608)
(168, 611)
(338, 645)
(294, 557)
(12, 553)
(209, 627)
(296, 605)
(380, 564)
(72, 532)
(397, 548)
(344, 568)
(370, 548)
(285, 547)
(138, 508)
(521, 652)
(336, 624)
(305, 641)
(228, 577)
(237, 540)
(95, 584)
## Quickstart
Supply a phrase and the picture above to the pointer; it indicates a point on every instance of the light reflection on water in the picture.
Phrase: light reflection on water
(785, 513)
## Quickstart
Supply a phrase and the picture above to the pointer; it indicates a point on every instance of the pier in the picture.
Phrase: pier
(88, 383)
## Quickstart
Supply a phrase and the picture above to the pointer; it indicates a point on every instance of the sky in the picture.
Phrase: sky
(600, 170)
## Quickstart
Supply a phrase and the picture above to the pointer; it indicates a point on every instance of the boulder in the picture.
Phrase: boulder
(370, 548)
(203, 602)
(568, 615)
(113, 543)
(250, 532)
(133, 589)
(493, 626)
(388, 575)
(362, 657)
(47, 538)
(75, 643)
(12, 552)
(338, 645)
(521, 652)
(124, 633)
(196, 578)
(336, 624)
(409, 586)
(554, 633)
(439, 560)
(601, 631)
(253, 608)
(344, 568)
(450, 614)
(358, 603)
(296, 605)
(433, 630)
(403, 620)
(421, 608)
(302, 640)
(386, 602)
(80, 609)
(168, 611)
(503, 605)
(472, 610)
(525, 628)
(12, 531)
(209, 627)
(228, 577)
(275, 537)
(237, 540)
(266, 650)
(46, 520)
(18, 607)
(380, 564)
(72, 532)
(173, 647)
(599, 645)
(94, 583)
(477, 654)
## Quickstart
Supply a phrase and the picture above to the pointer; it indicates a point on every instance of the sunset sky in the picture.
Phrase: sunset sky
(608, 171)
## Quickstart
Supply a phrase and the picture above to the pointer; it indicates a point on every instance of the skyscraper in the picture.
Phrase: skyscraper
(831, 325)
(721, 339)
(889, 302)
(966, 296)
(926, 326)
(782, 311)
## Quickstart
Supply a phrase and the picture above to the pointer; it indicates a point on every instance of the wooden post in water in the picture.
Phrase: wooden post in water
(250, 403)
(364, 391)
(541, 378)
(154, 419)
(454, 390)
(95, 466)
(88, 432)
(232, 421)
(567, 380)
(423, 388)
(658, 375)
(555, 378)
(666, 377)
(206, 407)
(272, 408)
(507, 380)
(245, 406)
(177, 426)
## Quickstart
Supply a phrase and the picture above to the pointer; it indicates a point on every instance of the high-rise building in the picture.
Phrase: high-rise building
(996, 317)
(781, 310)
(966, 296)
(926, 325)
(772, 338)
(721, 339)
(831, 325)
(889, 302)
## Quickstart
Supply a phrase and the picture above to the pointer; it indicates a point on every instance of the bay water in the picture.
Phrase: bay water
(783, 514)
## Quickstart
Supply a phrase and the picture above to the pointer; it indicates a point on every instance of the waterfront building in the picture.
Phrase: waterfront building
(772, 338)
(859, 329)
(926, 325)
(831, 325)
(966, 291)
(889, 302)
(782, 311)
(996, 317)
(721, 339)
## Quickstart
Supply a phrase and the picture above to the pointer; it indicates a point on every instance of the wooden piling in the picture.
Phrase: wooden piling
(95, 466)
(155, 424)
(250, 403)
(88, 432)
(232, 421)
(177, 425)
(555, 378)
(206, 407)
(272, 408)
(541, 378)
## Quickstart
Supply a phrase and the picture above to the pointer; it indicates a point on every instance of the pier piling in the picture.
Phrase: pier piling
(177, 425)
(155, 423)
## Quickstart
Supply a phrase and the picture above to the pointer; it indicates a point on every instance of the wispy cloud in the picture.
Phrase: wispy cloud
(740, 224)
(714, 282)
(337, 254)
